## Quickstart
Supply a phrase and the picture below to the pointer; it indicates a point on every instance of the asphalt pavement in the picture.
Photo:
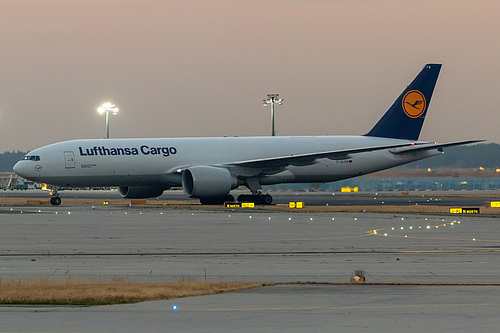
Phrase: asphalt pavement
(155, 244)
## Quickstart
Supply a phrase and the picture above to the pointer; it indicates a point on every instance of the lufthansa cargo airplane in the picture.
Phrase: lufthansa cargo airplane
(209, 168)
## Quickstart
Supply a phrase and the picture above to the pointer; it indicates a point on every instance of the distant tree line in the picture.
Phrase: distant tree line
(8, 159)
(486, 155)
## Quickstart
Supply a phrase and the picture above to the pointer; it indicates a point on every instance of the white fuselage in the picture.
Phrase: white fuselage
(154, 162)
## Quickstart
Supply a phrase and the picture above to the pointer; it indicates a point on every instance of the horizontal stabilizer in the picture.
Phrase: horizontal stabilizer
(429, 146)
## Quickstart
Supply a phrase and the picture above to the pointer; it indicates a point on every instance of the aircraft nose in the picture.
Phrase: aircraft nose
(19, 168)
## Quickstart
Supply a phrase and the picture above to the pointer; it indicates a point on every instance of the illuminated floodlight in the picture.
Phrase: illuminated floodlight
(108, 108)
(273, 99)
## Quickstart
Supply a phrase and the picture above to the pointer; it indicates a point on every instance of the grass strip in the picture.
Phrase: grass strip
(55, 292)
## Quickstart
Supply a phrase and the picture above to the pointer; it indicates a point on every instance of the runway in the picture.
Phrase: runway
(153, 244)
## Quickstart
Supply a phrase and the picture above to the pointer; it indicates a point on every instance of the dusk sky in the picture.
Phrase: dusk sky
(201, 68)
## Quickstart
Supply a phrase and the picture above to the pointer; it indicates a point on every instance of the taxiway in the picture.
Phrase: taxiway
(143, 244)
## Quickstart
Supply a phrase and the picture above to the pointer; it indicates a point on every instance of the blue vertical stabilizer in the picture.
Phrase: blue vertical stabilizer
(405, 117)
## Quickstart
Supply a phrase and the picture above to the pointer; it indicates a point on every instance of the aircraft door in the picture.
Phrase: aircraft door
(69, 160)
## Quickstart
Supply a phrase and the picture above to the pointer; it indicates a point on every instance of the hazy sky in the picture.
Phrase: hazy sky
(202, 68)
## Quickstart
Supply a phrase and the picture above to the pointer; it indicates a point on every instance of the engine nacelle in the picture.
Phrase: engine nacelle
(207, 182)
(140, 192)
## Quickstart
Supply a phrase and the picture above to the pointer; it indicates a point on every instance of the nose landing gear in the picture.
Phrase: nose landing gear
(55, 200)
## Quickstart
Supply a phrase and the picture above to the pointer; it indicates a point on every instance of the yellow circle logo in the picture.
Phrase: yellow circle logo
(414, 103)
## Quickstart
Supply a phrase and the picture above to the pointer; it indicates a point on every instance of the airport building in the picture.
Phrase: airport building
(399, 184)
(10, 181)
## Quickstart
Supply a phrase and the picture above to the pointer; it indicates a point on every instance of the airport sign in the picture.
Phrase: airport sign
(464, 210)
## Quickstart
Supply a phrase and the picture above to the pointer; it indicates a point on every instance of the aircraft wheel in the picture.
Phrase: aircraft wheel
(245, 198)
(263, 199)
(216, 201)
(258, 199)
(206, 201)
(55, 201)
(267, 199)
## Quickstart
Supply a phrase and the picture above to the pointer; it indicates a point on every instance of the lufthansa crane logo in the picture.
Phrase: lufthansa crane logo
(414, 103)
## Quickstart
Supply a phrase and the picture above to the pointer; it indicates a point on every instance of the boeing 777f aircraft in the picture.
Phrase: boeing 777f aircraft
(209, 168)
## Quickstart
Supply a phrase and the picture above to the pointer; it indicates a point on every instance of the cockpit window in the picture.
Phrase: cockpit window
(32, 158)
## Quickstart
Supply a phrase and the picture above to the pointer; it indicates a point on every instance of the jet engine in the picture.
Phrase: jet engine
(140, 192)
(207, 182)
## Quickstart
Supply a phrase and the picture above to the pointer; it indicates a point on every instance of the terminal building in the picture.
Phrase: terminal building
(398, 184)
(10, 181)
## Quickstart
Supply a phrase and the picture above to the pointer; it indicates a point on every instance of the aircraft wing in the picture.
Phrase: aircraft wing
(310, 158)
(428, 146)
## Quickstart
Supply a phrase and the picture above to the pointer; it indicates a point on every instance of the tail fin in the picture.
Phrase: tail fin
(405, 117)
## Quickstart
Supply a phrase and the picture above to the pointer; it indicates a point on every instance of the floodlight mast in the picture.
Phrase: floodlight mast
(273, 99)
(107, 108)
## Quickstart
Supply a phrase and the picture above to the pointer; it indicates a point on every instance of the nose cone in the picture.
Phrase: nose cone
(19, 168)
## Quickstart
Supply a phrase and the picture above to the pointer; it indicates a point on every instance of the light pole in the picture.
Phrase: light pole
(107, 108)
(272, 99)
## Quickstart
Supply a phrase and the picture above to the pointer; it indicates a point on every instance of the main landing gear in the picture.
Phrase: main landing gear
(216, 201)
(253, 185)
(259, 198)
